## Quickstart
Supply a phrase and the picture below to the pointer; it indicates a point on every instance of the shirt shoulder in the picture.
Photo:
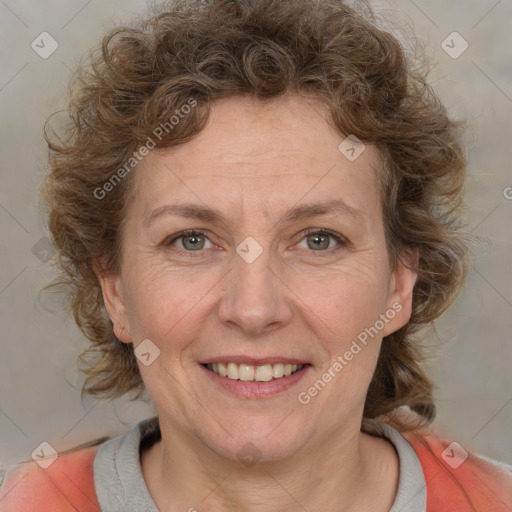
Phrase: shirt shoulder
(66, 484)
(458, 479)
(118, 478)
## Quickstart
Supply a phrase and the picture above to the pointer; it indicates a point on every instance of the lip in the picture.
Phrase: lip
(254, 389)
(254, 361)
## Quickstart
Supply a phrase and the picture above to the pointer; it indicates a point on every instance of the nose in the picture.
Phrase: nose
(255, 297)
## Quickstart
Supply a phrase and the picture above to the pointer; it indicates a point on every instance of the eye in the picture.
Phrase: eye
(190, 240)
(194, 240)
(319, 239)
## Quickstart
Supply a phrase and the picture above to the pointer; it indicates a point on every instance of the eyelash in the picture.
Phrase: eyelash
(342, 241)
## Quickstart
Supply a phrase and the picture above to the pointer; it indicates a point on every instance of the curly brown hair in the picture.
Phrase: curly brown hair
(213, 49)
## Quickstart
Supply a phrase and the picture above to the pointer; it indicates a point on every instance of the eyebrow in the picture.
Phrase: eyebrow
(194, 211)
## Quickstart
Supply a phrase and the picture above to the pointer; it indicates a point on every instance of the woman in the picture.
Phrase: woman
(256, 209)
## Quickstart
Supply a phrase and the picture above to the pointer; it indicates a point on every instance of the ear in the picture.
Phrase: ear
(114, 299)
(401, 289)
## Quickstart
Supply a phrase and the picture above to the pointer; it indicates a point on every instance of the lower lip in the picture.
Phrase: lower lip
(254, 389)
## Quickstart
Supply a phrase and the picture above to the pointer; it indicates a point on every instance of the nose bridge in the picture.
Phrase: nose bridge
(254, 298)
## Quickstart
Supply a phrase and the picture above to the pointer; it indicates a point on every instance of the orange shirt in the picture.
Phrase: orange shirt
(454, 483)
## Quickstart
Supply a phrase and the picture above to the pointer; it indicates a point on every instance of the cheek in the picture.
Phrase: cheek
(344, 310)
(347, 300)
(350, 340)
(163, 301)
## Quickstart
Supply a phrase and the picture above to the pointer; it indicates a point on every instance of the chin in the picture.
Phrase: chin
(265, 442)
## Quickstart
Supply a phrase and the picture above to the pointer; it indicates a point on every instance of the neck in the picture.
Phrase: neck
(353, 471)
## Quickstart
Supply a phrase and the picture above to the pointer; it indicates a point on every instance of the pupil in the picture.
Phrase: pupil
(195, 241)
(317, 238)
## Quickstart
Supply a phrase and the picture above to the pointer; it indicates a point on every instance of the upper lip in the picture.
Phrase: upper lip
(254, 361)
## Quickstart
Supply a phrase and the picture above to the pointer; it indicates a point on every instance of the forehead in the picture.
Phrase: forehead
(259, 155)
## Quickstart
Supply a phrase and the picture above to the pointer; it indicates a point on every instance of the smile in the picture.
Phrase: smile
(248, 372)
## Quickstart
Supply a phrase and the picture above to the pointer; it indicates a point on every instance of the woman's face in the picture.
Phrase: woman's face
(254, 286)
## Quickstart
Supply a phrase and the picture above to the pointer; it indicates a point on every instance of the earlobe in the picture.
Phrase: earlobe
(400, 298)
(113, 297)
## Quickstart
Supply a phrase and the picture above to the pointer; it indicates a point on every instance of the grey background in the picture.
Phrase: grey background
(39, 383)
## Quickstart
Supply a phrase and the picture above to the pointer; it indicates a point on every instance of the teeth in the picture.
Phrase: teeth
(278, 370)
(248, 372)
(232, 371)
(223, 371)
(264, 373)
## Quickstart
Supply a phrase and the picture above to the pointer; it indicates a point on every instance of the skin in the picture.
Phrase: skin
(253, 162)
